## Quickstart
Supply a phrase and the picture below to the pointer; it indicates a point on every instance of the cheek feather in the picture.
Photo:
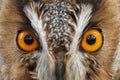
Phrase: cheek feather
(3, 68)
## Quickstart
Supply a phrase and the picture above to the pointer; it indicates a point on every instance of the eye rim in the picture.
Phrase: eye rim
(102, 40)
(35, 37)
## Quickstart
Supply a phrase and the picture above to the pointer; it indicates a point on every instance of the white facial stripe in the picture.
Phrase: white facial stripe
(84, 18)
(36, 23)
(45, 61)
(76, 70)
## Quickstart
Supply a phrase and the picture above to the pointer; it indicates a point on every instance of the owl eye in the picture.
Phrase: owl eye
(27, 40)
(92, 40)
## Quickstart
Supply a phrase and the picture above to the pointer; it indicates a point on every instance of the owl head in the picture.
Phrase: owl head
(59, 40)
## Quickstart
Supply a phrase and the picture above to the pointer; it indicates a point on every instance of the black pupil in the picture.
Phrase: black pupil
(91, 39)
(28, 39)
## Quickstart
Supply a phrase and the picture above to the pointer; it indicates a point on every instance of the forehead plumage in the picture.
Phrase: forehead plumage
(59, 24)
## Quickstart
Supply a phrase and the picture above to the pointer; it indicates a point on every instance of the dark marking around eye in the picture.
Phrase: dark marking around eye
(91, 25)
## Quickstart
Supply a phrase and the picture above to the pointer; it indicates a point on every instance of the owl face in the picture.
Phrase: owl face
(59, 40)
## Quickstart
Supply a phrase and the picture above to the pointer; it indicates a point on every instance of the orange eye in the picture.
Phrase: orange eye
(92, 40)
(27, 40)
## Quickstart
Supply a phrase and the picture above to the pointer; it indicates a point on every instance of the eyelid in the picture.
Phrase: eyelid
(97, 28)
(27, 26)
(91, 25)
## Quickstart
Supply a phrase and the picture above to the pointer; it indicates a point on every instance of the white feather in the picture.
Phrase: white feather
(45, 61)
(75, 68)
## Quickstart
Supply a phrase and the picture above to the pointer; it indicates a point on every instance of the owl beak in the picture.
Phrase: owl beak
(60, 70)
(60, 66)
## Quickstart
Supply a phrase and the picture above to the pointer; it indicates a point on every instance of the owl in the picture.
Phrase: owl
(59, 40)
